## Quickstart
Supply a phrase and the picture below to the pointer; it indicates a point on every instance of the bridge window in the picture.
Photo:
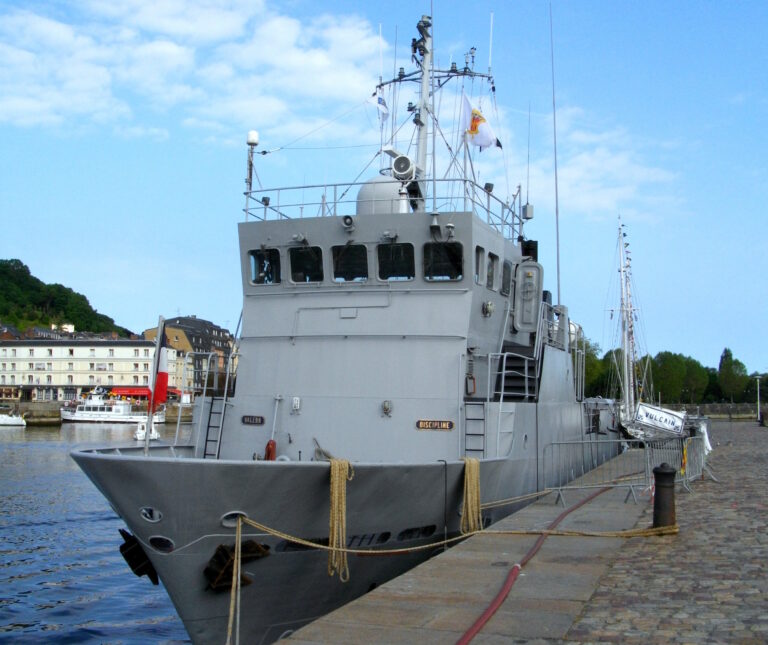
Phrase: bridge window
(306, 264)
(506, 279)
(265, 266)
(443, 261)
(350, 263)
(479, 263)
(396, 261)
(493, 263)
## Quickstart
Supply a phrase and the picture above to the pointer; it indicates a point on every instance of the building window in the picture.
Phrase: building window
(70, 379)
(146, 353)
(135, 367)
(265, 266)
(29, 379)
(71, 352)
(135, 380)
(111, 352)
(135, 352)
(111, 367)
(31, 352)
(70, 366)
(2, 379)
(110, 379)
(92, 352)
(49, 367)
(3, 367)
(49, 379)
(13, 379)
(396, 261)
(91, 366)
(31, 366)
(50, 352)
(146, 367)
(13, 352)
(350, 263)
(13, 367)
(306, 264)
(91, 380)
(145, 380)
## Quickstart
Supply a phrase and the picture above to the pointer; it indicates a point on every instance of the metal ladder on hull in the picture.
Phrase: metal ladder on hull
(474, 429)
(218, 407)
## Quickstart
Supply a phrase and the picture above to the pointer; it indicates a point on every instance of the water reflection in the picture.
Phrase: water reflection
(62, 575)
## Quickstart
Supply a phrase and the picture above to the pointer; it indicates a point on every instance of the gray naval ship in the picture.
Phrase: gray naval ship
(399, 323)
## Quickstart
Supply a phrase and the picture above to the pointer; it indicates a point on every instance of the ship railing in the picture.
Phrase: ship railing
(194, 385)
(340, 200)
(616, 463)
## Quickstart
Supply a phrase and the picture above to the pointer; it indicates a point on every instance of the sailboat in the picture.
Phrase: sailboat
(396, 331)
(638, 416)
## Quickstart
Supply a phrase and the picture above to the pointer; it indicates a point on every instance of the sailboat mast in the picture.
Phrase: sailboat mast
(627, 341)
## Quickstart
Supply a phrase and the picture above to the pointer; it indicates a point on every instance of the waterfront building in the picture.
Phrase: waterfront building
(45, 369)
(193, 339)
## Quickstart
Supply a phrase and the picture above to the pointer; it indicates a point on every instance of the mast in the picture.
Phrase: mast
(627, 332)
(424, 46)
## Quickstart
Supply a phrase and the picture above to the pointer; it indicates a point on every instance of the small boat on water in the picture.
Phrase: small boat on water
(396, 338)
(97, 407)
(12, 419)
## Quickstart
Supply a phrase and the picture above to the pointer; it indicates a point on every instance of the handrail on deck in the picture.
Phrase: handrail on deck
(338, 200)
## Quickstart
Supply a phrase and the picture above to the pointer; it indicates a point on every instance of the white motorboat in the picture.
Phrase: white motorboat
(98, 407)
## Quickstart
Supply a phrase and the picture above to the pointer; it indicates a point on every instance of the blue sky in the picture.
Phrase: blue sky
(122, 156)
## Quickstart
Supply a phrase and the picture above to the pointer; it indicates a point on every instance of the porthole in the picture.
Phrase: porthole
(150, 514)
(162, 544)
(229, 520)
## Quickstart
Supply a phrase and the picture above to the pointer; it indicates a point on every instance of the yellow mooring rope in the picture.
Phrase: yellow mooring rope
(341, 473)
(471, 512)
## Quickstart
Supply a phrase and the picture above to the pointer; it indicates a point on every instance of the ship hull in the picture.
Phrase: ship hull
(388, 506)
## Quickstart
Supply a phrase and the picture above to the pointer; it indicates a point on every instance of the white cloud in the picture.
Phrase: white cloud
(202, 21)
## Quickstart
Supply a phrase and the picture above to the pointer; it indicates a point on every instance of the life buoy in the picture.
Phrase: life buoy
(271, 451)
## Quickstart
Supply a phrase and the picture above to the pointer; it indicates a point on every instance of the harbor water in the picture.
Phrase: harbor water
(62, 576)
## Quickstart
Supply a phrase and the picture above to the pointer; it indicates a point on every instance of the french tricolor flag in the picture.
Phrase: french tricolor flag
(159, 384)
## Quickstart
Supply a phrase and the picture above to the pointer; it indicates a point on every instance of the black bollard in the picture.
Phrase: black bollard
(664, 497)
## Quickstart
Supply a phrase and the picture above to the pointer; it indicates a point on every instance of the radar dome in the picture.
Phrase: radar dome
(380, 195)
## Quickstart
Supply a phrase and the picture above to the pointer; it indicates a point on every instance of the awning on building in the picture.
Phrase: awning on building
(130, 391)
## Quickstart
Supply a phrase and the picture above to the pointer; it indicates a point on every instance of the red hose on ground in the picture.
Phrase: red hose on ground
(494, 605)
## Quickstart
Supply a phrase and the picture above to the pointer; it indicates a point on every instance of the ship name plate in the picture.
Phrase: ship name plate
(252, 420)
(434, 424)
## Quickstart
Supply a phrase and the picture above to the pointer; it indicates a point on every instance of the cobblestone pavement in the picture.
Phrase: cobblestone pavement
(709, 584)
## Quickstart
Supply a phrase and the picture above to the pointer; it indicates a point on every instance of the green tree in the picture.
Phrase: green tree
(695, 381)
(732, 376)
(594, 369)
(669, 375)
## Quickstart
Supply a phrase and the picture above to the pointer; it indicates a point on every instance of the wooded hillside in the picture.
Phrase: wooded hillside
(26, 301)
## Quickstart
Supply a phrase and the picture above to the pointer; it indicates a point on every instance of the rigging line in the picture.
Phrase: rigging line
(320, 127)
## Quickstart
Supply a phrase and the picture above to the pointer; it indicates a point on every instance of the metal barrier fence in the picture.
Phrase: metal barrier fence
(573, 465)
